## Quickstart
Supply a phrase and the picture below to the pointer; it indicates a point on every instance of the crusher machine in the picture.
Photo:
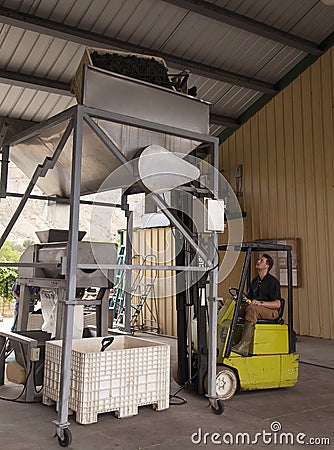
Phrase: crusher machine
(138, 137)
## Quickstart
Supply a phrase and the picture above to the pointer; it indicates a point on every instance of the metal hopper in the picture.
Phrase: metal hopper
(103, 90)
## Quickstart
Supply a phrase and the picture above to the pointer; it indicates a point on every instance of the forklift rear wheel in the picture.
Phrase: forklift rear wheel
(220, 408)
(226, 383)
(67, 439)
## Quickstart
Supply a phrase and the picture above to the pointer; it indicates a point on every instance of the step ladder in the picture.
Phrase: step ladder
(117, 297)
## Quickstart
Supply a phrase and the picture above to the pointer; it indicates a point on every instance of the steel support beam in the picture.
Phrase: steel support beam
(234, 19)
(4, 170)
(169, 213)
(33, 82)
(40, 127)
(63, 200)
(128, 273)
(15, 126)
(106, 140)
(147, 125)
(212, 329)
(224, 121)
(83, 37)
(71, 275)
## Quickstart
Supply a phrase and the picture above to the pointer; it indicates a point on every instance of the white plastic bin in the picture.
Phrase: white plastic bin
(131, 372)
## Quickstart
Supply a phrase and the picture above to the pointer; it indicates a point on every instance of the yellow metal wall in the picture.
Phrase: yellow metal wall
(160, 243)
(287, 153)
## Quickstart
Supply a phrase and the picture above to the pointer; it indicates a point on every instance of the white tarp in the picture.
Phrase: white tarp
(49, 300)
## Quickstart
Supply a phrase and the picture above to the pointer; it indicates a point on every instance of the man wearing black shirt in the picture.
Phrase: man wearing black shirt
(265, 295)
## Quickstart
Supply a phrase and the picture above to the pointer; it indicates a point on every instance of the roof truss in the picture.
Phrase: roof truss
(224, 15)
(84, 37)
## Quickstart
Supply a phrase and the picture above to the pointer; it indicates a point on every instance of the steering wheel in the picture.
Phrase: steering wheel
(235, 292)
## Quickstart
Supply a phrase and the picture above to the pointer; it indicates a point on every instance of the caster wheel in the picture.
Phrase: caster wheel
(220, 408)
(67, 439)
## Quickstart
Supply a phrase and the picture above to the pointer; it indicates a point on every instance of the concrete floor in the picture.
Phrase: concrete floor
(307, 408)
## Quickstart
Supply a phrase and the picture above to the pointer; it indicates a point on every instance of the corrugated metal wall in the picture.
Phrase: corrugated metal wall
(158, 242)
(287, 153)
(287, 150)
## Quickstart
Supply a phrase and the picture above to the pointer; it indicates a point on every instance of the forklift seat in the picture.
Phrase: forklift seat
(279, 319)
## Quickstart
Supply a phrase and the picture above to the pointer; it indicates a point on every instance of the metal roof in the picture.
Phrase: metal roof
(239, 53)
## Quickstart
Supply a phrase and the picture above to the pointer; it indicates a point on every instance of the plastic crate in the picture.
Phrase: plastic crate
(131, 372)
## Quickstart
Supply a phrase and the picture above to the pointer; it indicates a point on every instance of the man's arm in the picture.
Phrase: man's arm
(16, 290)
(275, 304)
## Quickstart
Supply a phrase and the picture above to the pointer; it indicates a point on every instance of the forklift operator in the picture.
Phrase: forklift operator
(265, 295)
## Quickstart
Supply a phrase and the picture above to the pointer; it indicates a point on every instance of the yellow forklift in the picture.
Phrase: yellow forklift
(272, 360)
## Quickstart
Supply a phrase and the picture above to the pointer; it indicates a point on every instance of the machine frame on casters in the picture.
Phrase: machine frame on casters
(77, 116)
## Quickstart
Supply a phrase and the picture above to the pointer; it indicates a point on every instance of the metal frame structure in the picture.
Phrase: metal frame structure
(77, 116)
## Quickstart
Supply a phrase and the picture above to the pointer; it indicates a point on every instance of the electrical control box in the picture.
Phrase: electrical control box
(35, 354)
(215, 215)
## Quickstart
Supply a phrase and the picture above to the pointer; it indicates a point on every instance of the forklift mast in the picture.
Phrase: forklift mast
(189, 298)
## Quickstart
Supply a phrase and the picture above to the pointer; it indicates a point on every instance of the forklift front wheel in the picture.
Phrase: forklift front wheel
(67, 438)
(226, 383)
(219, 409)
